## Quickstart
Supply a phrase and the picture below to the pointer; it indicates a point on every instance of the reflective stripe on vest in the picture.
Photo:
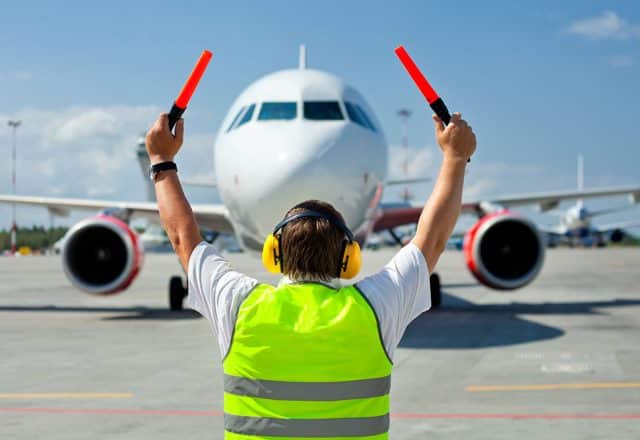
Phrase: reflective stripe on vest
(315, 391)
(306, 361)
(313, 428)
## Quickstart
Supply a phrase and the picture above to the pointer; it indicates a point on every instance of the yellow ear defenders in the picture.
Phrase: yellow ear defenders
(350, 260)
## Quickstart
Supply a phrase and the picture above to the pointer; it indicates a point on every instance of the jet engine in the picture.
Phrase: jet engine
(504, 251)
(102, 255)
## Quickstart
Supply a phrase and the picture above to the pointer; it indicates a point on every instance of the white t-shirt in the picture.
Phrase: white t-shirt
(398, 293)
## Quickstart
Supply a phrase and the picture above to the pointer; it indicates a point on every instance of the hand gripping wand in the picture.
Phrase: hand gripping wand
(181, 102)
(435, 102)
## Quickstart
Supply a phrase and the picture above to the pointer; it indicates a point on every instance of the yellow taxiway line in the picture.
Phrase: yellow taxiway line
(66, 395)
(553, 386)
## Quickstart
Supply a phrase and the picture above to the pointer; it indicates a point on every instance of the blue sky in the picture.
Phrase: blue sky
(540, 84)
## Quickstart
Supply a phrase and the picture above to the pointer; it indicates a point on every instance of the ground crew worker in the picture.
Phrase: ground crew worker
(309, 357)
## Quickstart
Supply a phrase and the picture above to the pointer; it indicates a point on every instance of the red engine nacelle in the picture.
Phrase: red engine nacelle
(102, 255)
(504, 251)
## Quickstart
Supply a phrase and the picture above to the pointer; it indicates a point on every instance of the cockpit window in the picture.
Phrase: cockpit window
(277, 110)
(247, 115)
(233, 123)
(366, 118)
(357, 115)
(322, 111)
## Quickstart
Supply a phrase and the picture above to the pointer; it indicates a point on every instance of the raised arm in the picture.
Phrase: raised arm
(441, 211)
(175, 212)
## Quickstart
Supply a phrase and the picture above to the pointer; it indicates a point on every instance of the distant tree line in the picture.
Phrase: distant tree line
(629, 240)
(36, 237)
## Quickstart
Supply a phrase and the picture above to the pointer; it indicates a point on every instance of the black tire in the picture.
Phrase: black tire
(436, 292)
(177, 292)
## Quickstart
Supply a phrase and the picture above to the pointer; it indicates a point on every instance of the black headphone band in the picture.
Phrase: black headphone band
(308, 213)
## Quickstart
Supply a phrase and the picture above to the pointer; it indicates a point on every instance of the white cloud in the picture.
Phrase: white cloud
(421, 161)
(605, 26)
(88, 124)
(85, 152)
(500, 178)
(478, 188)
(621, 61)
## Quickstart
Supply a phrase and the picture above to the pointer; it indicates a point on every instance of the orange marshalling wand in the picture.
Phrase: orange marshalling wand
(182, 101)
(436, 103)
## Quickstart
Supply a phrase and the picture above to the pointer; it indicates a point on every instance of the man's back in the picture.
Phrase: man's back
(306, 360)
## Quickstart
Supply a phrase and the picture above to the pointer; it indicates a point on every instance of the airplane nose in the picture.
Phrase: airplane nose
(298, 171)
(327, 165)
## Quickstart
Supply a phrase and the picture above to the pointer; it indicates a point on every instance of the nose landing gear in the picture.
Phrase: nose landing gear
(177, 292)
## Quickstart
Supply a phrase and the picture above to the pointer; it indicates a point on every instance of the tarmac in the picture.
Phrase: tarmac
(558, 359)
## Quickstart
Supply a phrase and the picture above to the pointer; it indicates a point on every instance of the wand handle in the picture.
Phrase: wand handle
(174, 115)
(439, 108)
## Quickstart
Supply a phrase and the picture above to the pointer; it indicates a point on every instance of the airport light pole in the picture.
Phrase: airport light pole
(14, 229)
(404, 115)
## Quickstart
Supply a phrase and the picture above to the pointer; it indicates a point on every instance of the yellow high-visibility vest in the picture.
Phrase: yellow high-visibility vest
(306, 361)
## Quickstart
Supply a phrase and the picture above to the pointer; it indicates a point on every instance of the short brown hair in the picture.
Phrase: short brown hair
(311, 247)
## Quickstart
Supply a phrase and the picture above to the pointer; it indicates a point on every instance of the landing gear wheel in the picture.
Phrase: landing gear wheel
(177, 293)
(436, 293)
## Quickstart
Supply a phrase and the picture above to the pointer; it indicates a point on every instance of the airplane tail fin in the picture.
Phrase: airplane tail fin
(302, 59)
(580, 176)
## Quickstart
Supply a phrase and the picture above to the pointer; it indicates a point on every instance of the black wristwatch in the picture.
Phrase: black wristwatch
(162, 166)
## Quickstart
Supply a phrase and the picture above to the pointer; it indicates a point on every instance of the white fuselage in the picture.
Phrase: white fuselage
(576, 220)
(298, 148)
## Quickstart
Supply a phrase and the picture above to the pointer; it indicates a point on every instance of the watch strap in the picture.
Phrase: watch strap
(162, 166)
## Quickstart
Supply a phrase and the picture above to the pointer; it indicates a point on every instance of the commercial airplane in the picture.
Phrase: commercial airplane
(294, 135)
(576, 226)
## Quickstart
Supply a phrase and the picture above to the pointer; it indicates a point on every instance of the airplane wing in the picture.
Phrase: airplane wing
(618, 225)
(392, 215)
(206, 182)
(215, 217)
(407, 181)
(550, 200)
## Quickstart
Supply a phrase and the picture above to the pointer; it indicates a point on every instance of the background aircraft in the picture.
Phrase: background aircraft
(293, 135)
(575, 225)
